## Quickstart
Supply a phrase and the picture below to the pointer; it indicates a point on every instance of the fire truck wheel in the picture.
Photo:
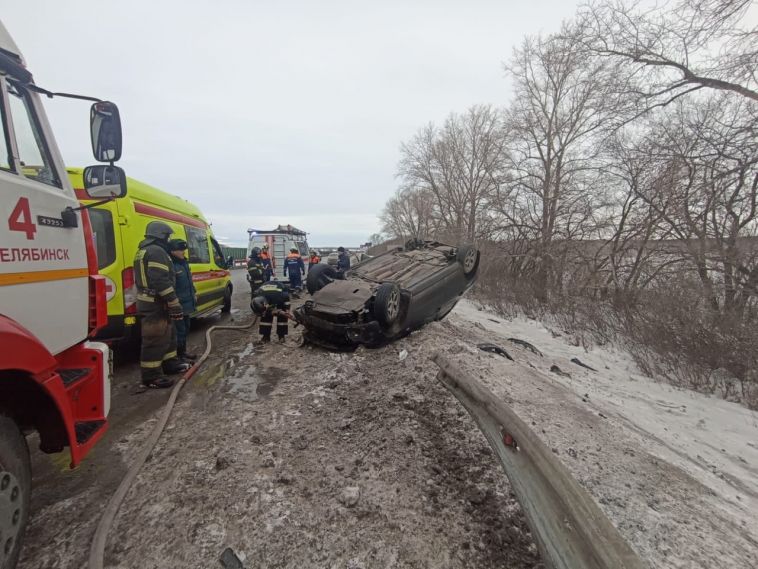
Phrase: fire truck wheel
(15, 488)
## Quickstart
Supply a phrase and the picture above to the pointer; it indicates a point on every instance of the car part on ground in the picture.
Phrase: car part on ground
(386, 297)
(570, 529)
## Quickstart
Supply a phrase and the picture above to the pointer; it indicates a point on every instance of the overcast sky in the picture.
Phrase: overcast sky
(272, 112)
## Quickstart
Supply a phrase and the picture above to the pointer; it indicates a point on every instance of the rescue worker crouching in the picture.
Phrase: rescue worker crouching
(269, 300)
(256, 272)
(157, 306)
(295, 268)
(185, 291)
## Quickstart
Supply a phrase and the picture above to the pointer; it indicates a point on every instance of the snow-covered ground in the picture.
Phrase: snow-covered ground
(677, 471)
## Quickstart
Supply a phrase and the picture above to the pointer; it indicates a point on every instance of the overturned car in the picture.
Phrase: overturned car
(387, 296)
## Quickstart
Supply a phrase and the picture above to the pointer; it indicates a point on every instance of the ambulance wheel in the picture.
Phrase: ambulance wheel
(319, 276)
(387, 304)
(227, 306)
(15, 488)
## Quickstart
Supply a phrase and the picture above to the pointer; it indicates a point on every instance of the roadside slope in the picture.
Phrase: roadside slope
(676, 471)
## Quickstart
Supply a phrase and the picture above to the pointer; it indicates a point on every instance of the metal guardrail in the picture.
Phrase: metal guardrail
(570, 529)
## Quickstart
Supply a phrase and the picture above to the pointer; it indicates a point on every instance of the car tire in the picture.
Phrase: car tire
(227, 306)
(468, 257)
(15, 489)
(320, 276)
(387, 304)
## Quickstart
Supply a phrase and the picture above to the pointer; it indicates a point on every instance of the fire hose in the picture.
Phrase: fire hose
(97, 549)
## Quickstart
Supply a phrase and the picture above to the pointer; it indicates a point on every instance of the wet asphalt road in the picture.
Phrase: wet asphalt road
(66, 504)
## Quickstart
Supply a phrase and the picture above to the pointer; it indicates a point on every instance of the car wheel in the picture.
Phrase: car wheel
(387, 304)
(227, 306)
(320, 276)
(15, 488)
(468, 257)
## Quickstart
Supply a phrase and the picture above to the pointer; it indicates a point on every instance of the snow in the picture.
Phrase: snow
(695, 436)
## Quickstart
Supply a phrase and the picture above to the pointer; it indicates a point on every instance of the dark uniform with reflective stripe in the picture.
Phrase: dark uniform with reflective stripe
(155, 280)
(256, 272)
(278, 298)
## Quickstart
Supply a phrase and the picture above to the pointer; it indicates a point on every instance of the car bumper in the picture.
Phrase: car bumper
(338, 335)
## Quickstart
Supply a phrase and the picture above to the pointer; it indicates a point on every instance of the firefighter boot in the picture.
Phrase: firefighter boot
(156, 380)
(181, 352)
(175, 366)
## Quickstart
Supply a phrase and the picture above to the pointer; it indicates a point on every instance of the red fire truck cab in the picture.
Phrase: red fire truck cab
(53, 379)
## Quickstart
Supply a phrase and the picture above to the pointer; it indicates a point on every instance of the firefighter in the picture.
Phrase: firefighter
(343, 260)
(269, 300)
(314, 259)
(185, 291)
(157, 306)
(255, 269)
(268, 269)
(294, 266)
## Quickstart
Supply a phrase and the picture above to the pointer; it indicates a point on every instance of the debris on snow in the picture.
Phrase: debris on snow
(493, 349)
(524, 344)
(578, 362)
(555, 369)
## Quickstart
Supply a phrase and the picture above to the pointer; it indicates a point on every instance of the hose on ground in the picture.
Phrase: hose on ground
(97, 549)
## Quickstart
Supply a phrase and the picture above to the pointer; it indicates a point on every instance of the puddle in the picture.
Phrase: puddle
(249, 383)
(209, 376)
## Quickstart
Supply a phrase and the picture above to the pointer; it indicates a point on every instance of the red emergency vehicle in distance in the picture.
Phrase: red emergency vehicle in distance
(53, 379)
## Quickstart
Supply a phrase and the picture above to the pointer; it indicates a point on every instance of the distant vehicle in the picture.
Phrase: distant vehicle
(279, 241)
(355, 258)
(119, 225)
(386, 297)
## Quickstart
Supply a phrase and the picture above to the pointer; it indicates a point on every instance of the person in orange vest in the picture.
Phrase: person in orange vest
(295, 268)
(314, 259)
(268, 270)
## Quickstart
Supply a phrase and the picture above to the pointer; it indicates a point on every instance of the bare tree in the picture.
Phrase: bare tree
(675, 50)
(461, 166)
(410, 214)
(555, 124)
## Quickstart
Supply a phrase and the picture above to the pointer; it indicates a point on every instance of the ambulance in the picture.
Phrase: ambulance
(119, 225)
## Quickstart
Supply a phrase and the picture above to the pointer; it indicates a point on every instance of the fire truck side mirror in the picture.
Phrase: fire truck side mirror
(104, 182)
(105, 131)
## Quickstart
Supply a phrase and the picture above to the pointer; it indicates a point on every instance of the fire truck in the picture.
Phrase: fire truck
(53, 379)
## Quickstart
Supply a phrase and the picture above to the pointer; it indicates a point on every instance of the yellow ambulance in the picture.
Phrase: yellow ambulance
(119, 225)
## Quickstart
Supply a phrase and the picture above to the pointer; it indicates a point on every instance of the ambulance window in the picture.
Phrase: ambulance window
(302, 248)
(218, 255)
(36, 163)
(102, 233)
(197, 240)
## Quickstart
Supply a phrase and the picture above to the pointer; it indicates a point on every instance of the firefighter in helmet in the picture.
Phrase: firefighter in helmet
(157, 306)
(256, 272)
(269, 300)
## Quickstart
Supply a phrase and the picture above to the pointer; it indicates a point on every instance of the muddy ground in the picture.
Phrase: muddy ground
(292, 457)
